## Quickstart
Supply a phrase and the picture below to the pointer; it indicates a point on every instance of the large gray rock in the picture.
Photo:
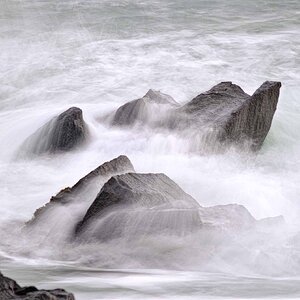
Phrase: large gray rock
(134, 204)
(10, 290)
(65, 209)
(63, 133)
(227, 115)
(149, 108)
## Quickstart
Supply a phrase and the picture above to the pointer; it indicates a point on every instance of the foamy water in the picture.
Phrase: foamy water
(98, 55)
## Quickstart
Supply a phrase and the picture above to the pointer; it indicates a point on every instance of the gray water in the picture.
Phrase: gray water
(100, 54)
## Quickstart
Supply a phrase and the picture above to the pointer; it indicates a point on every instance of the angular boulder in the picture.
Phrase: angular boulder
(227, 115)
(10, 290)
(145, 109)
(133, 204)
(71, 202)
(63, 133)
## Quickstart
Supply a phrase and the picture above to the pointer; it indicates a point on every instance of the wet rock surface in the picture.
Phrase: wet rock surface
(86, 189)
(11, 290)
(229, 216)
(63, 133)
(223, 116)
(135, 203)
(230, 116)
(56, 220)
(131, 206)
(143, 109)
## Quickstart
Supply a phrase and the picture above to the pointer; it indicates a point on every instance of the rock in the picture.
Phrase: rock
(135, 204)
(223, 116)
(271, 222)
(7, 287)
(229, 216)
(71, 203)
(226, 114)
(143, 110)
(63, 133)
(10, 290)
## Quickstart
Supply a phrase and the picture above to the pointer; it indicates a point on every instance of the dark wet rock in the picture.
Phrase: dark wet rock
(226, 114)
(63, 133)
(145, 109)
(80, 196)
(10, 290)
(133, 204)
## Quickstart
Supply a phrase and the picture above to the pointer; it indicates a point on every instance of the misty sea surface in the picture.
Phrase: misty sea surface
(100, 54)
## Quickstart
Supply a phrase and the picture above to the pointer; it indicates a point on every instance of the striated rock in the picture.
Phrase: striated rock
(62, 133)
(226, 114)
(10, 290)
(138, 204)
(71, 202)
(145, 109)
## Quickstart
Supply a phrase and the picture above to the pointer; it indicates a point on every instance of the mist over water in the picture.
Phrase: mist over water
(97, 55)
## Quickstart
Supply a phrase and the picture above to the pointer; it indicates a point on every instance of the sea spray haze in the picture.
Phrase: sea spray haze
(98, 55)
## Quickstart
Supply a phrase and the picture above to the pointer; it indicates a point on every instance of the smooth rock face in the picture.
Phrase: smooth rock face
(138, 204)
(62, 133)
(145, 109)
(230, 115)
(72, 202)
(10, 290)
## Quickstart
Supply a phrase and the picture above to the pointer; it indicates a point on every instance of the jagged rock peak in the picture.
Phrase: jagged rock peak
(86, 189)
(159, 98)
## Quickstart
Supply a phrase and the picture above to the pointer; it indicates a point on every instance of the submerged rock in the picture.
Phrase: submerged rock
(138, 204)
(229, 216)
(271, 222)
(230, 116)
(145, 109)
(62, 133)
(10, 290)
(65, 209)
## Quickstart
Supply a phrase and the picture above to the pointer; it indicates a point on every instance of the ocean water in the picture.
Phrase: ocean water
(97, 55)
